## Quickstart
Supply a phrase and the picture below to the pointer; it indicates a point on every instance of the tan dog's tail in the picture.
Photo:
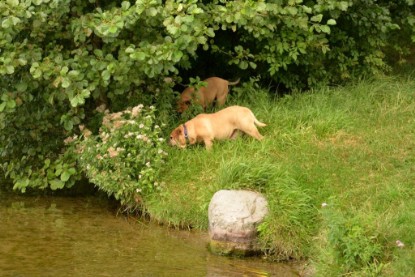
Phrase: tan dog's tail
(256, 121)
(259, 123)
(234, 83)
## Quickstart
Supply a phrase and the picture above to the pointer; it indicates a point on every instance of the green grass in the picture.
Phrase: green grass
(351, 147)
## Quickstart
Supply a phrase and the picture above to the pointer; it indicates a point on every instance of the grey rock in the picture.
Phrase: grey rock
(233, 219)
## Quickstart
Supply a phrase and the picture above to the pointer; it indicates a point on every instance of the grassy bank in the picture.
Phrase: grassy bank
(351, 148)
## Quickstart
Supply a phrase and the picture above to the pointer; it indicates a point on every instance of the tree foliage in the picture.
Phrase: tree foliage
(60, 59)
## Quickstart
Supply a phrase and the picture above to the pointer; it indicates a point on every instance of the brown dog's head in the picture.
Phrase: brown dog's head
(177, 137)
(183, 105)
(185, 100)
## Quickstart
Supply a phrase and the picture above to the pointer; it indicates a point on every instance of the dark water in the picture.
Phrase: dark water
(45, 236)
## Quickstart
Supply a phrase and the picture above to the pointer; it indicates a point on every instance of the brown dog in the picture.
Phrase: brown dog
(223, 124)
(216, 89)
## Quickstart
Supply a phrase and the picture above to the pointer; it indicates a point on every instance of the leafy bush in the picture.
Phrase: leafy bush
(353, 245)
(60, 60)
(124, 159)
(31, 146)
(304, 43)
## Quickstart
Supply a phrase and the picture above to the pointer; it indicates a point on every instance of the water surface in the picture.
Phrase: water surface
(84, 236)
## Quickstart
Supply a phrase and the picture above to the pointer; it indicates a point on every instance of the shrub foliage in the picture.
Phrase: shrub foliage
(60, 59)
(124, 159)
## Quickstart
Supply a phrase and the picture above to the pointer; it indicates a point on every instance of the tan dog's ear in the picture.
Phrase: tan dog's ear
(176, 134)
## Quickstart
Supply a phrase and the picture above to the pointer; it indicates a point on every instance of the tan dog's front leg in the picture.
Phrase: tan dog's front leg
(208, 143)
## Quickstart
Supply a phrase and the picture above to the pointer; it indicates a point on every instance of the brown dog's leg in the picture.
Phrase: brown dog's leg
(221, 97)
(220, 101)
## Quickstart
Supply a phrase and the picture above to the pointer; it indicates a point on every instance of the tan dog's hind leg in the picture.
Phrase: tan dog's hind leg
(250, 129)
(235, 134)
(253, 132)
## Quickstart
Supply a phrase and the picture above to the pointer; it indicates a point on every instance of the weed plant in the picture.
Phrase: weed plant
(337, 168)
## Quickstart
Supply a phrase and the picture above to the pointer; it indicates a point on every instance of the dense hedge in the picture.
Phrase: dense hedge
(61, 59)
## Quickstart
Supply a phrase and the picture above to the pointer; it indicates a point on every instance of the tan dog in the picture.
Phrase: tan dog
(216, 89)
(223, 124)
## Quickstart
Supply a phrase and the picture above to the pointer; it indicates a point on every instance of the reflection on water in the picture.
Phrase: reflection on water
(45, 236)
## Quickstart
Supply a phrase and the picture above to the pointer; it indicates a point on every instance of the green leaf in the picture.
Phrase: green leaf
(22, 61)
(21, 87)
(325, 29)
(2, 106)
(73, 73)
(13, 3)
(74, 101)
(66, 82)
(68, 125)
(139, 56)
(113, 29)
(58, 170)
(37, 73)
(125, 5)
(11, 104)
(210, 32)
(85, 93)
(307, 9)
(15, 20)
(317, 18)
(177, 55)
(129, 50)
(343, 6)
(10, 69)
(65, 176)
(106, 75)
(292, 10)
(151, 11)
(47, 163)
(72, 170)
(64, 70)
(79, 99)
(6, 23)
(331, 22)
(56, 184)
(243, 65)
(21, 184)
(172, 29)
(196, 11)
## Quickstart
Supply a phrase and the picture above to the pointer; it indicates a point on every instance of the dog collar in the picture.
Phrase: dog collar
(186, 134)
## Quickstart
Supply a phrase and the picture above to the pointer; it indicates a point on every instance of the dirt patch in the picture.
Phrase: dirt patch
(340, 139)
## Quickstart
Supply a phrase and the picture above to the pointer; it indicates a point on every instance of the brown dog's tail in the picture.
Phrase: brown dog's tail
(234, 83)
